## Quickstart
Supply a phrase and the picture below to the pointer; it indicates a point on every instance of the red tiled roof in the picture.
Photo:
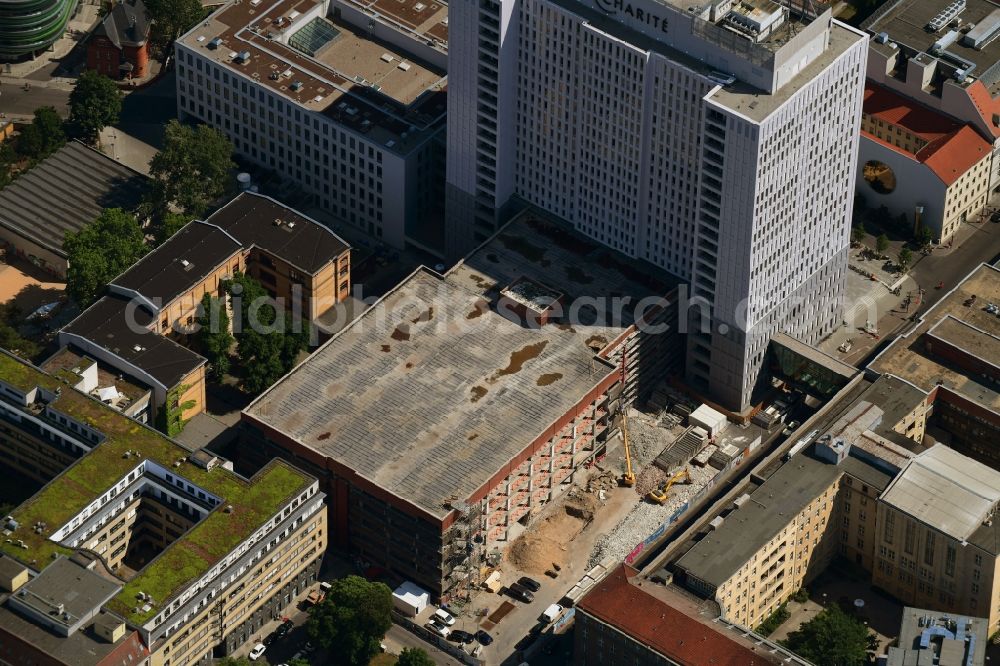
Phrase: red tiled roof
(898, 110)
(657, 624)
(952, 149)
(985, 105)
(953, 156)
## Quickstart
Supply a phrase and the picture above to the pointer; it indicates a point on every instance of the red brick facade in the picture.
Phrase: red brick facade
(106, 58)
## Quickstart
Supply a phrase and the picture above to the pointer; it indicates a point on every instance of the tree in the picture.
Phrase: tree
(193, 169)
(351, 621)
(831, 638)
(268, 340)
(7, 160)
(94, 104)
(10, 338)
(923, 237)
(881, 244)
(167, 224)
(171, 18)
(904, 258)
(101, 251)
(414, 657)
(858, 233)
(213, 338)
(43, 136)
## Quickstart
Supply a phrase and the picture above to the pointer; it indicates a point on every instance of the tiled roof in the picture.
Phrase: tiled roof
(952, 148)
(986, 105)
(670, 632)
(898, 110)
(952, 157)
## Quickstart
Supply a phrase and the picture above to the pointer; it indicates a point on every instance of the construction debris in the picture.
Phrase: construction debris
(645, 517)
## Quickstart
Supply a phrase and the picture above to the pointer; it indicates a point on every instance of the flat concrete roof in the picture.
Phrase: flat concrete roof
(431, 392)
(908, 357)
(905, 22)
(966, 652)
(756, 105)
(66, 592)
(341, 76)
(950, 492)
(747, 529)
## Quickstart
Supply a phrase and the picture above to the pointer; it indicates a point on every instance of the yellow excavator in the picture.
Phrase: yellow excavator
(628, 478)
(659, 495)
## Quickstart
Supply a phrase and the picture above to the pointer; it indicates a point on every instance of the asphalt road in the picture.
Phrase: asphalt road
(982, 245)
(16, 101)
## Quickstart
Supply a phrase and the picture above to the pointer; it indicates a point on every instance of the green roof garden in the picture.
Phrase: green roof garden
(253, 501)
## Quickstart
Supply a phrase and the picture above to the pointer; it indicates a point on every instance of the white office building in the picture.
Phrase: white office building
(715, 139)
(343, 99)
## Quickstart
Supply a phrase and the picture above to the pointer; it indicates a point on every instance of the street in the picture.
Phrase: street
(17, 102)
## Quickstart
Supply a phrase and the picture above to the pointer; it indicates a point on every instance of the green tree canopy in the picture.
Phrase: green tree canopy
(831, 638)
(414, 657)
(351, 621)
(94, 104)
(167, 224)
(99, 252)
(233, 661)
(43, 136)
(10, 338)
(193, 169)
(7, 160)
(858, 233)
(268, 339)
(923, 237)
(171, 18)
(904, 258)
(881, 243)
(213, 338)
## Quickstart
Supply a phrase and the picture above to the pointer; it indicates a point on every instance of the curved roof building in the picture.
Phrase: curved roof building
(28, 26)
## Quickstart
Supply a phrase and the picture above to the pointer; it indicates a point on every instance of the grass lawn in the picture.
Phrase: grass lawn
(384, 659)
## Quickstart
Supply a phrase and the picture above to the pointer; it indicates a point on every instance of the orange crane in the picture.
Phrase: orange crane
(659, 495)
(628, 478)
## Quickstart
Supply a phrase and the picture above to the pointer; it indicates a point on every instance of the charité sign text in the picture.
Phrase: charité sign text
(613, 7)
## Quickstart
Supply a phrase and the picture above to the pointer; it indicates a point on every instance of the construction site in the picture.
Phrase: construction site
(676, 455)
(445, 418)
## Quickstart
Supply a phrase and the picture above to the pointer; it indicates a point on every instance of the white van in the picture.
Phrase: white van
(551, 613)
(444, 616)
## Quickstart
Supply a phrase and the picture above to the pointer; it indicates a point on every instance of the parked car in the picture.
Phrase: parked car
(521, 593)
(444, 616)
(483, 637)
(256, 651)
(551, 613)
(526, 641)
(459, 636)
(530, 583)
(438, 629)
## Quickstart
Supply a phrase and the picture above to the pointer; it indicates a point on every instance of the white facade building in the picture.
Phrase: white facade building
(714, 139)
(343, 100)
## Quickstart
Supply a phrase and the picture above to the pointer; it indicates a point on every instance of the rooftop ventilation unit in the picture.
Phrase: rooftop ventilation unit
(185, 263)
(946, 15)
(215, 43)
(296, 86)
(881, 38)
(242, 57)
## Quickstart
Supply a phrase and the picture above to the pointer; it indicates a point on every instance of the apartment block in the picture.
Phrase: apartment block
(920, 164)
(343, 100)
(450, 412)
(935, 543)
(627, 620)
(139, 549)
(716, 140)
(140, 327)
